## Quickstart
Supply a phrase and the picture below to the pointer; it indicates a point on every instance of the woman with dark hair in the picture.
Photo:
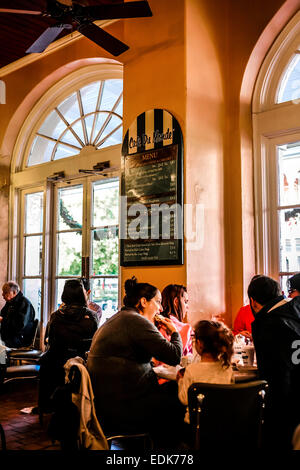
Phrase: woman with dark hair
(69, 330)
(174, 300)
(175, 306)
(127, 394)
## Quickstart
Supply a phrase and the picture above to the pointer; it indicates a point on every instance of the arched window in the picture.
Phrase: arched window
(276, 124)
(65, 208)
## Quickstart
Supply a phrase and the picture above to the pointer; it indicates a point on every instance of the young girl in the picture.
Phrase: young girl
(214, 344)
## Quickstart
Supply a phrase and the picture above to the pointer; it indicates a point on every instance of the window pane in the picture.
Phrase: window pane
(53, 125)
(77, 128)
(41, 151)
(62, 151)
(111, 92)
(34, 213)
(89, 126)
(105, 251)
(89, 96)
(113, 123)
(105, 293)
(70, 208)
(33, 255)
(290, 84)
(69, 254)
(289, 174)
(69, 138)
(113, 139)
(289, 233)
(70, 108)
(105, 203)
(32, 290)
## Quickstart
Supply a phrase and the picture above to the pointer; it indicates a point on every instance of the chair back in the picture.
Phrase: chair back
(228, 416)
(35, 329)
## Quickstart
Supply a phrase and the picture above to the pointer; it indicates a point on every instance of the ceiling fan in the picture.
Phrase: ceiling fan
(77, 14)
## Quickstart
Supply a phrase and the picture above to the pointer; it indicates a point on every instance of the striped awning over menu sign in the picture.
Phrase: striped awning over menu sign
(151, 231)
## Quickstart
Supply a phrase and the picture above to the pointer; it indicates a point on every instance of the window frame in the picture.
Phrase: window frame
(273, 124)
(33, 179)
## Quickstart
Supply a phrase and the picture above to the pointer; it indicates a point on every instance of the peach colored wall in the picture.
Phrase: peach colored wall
(220, 40)
(154, 77)
(190, 59)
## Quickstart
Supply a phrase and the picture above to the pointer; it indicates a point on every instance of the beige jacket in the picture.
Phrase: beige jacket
(91, 436)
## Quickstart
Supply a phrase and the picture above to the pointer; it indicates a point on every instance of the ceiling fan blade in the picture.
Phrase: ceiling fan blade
(46, 38)
(20, 12)
(120, 10)
(102, 38)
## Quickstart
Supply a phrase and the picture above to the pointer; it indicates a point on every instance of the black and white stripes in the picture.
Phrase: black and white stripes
(153, 129)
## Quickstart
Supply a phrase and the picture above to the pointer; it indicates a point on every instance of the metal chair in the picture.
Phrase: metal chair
(227, 416)
(29, 354)
(7, 374)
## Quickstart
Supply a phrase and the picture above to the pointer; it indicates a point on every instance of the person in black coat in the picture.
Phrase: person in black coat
(276, 337)
(16, 318)
(70, 330)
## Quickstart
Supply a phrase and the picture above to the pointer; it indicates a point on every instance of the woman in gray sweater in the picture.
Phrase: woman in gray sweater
(127, 394)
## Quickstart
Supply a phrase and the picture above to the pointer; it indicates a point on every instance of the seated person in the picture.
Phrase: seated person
(242, 322)
(72, 323)
(214, 344)
(175, 306)
(16, 318)
(244, 319)
(128, 397)
(293, 284)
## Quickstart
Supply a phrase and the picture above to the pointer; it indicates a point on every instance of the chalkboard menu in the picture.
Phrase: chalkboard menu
(151, 231)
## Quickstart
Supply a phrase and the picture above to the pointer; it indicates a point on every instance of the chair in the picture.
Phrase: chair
(29, 353)
(227, 416)
(66, 418)
(7, 374)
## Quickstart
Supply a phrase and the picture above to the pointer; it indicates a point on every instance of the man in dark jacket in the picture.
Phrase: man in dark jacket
(16, 318)
(276, 335)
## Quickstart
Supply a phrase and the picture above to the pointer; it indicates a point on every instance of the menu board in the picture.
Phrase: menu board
(151, 208)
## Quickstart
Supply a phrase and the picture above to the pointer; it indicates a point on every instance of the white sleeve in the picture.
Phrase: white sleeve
(183, 386)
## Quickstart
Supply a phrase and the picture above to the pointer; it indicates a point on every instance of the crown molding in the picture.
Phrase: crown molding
(53, 47)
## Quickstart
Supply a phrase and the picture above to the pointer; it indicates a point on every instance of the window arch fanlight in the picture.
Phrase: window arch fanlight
(61, 229)
(90, 116)
(276, 137)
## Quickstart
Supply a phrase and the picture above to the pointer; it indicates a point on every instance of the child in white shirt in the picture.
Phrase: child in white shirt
(214, 344)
